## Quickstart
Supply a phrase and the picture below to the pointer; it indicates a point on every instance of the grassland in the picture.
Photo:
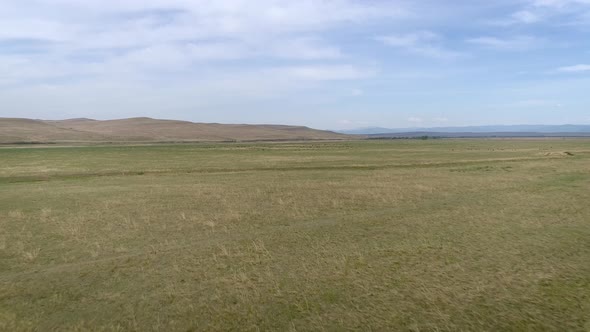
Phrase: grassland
(473, 235)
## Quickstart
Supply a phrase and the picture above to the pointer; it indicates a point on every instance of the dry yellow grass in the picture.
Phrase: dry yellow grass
(408, 235)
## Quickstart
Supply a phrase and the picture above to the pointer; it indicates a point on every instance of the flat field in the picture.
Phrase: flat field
(409, 235)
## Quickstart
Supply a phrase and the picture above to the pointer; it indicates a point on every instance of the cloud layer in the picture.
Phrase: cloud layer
(308, 62)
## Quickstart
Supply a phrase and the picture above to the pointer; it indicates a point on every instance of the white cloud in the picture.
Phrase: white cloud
(183, 54)
(305, 48)
(325, 72)
(558, 3)
(414, 119)
(134, 21)
(409, 40)
(149, 55)
(518, 43)
(35, 29)
(357, 92)
(174, 56)
(526, 16)
(130, 37)
(17, 69)
(558, 12)
(574, 69)
(423, 43)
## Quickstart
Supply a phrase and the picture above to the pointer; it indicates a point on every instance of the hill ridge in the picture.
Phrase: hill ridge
(144, 129)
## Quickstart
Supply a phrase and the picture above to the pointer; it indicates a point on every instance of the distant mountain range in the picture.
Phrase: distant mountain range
(16, 130)
(479, 131)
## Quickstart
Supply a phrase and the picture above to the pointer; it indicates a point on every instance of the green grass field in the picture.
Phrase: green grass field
(408, 235)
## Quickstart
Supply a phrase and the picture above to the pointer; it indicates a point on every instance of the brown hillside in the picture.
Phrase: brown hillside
(146, 129)
(26, 130)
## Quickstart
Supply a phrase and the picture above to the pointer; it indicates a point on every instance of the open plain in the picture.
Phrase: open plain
(415, 235)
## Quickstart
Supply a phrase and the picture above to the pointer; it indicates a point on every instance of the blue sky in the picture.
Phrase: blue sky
(334, 64)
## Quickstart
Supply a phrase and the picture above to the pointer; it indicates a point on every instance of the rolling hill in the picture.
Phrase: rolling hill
(14, 130)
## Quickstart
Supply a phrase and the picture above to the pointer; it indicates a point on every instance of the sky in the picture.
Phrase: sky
(329, 64)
